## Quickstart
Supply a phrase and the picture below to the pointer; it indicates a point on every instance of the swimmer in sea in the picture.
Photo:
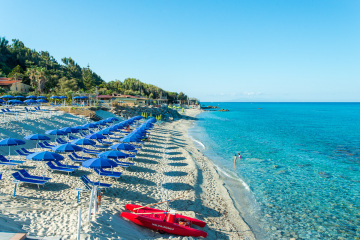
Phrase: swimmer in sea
(239, 156)
(235, 160)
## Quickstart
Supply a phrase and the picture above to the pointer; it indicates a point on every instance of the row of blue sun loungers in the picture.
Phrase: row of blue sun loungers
(25, 177)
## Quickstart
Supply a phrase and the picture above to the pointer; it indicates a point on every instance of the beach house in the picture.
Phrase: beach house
(13, 84)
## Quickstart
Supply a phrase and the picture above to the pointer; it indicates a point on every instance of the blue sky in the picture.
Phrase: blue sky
(270, 50)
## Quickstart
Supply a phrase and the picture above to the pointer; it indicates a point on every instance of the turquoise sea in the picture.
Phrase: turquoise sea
(299, 175)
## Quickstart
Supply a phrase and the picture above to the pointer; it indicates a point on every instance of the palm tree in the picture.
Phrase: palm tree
(38, 77)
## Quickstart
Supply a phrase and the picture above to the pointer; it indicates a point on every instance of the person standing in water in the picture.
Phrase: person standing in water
(239, 156)
(235, 157)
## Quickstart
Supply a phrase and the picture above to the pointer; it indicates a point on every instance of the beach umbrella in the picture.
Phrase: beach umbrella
(43, 97)
(31, 96)
(95, 136)
(80, 128)
(68, 147)
(123, 146)
(15, 102)
(63, 97)
(11, 142)
(83, 141)
(19, 96)
(37, 137)
(44, 156)
(102, 122)
(66, 130)
(113, 128)
(90, 125)
(114, 154)
(99, 163)
(105, 131)
(30, 101)
(77, 97)
(8, 97)
(2, 101)
(55, 97)
(55, 132)
(41, 101)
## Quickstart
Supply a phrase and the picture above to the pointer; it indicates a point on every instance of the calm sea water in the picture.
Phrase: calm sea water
(299, 175)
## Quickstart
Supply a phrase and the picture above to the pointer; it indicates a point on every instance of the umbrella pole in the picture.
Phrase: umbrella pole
(9, 150)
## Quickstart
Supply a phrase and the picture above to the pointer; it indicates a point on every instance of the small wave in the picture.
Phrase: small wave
(233, 177)
(198, 142)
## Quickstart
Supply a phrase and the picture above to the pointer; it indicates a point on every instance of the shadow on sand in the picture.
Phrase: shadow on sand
(176, 174)
(177, 164)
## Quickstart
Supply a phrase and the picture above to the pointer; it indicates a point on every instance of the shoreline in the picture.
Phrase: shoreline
(233, 215)
(169, 166)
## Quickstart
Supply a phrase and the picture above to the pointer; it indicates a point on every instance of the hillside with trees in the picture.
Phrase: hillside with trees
(42, 71)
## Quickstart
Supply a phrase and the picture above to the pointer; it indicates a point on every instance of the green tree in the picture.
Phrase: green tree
(88, 78)
(17, 72)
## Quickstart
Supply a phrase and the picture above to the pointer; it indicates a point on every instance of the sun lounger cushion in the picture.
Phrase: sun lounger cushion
(84, 178)
(103, 172)
(17, 176)
(25, 174)
(61, 169)
(59, 164)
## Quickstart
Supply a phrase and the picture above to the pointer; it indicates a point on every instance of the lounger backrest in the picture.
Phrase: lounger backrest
(24, 150)
(19, 152)
(24, 173)
(42, 145)
(0, 175)
(17, 176)
(59, 164)
(86, 182)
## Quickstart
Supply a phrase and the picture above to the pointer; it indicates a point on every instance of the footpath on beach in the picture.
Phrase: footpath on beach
(167, 166)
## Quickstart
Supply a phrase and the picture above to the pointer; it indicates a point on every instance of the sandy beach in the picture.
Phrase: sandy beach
(167, 167)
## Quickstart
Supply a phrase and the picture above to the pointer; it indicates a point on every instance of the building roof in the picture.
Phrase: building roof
(105, 96)
(8, 81)
(130, 97)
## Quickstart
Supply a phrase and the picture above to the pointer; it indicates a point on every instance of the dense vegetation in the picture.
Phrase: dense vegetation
(47, 76)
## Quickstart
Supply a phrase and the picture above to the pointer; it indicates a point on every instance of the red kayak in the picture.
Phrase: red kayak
(164, 221)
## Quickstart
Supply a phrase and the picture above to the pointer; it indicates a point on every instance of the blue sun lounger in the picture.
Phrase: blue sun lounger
(124, 163)
(48, 144)
(18, 151)
(103, 142)
(72, 138)
(80, 157)
(59, 164)
(53, 167)
(26, 151)
(18, 177)
(86, 180)
(0, 175)
(60, 141)
(43, 146)
(85, 150)
(25, 174)
(105, 173)
(4, 159)
(76, 160)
